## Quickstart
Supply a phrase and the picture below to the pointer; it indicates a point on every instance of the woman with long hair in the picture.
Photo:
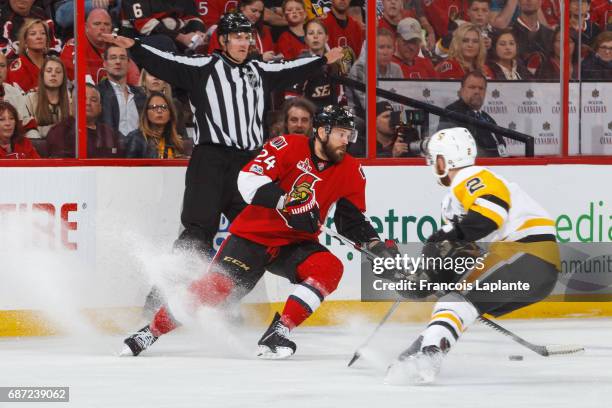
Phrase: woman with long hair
(156, 136)
(13, 143)
(503, 58)
(319, 87)
(50, 104)
(262, 37)
(33, 47)
(291, 42)
(467, 53)
(550, 68)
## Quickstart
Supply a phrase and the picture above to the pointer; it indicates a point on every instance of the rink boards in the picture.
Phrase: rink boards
(95, 238)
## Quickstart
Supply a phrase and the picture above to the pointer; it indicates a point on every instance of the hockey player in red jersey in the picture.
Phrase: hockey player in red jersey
(289, 188)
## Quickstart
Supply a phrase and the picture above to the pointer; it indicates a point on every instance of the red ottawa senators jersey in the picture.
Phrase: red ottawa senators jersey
(289, 160)
(344, 33)
(210, 11)
(440, 12)
(421, 68)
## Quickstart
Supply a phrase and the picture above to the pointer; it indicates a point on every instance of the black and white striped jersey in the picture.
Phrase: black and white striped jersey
(227, 99)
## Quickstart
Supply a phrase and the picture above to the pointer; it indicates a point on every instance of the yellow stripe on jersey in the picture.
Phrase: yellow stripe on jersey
(449, 316)
(537, 222)
(481, 184)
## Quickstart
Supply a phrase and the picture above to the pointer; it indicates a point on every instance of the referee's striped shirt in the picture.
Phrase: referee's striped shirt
(227, 99)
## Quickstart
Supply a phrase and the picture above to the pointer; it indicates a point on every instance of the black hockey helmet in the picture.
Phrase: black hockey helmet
(234, 23)
(336, 116)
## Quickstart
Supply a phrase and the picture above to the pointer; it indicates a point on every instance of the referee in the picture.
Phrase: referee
(227, 91)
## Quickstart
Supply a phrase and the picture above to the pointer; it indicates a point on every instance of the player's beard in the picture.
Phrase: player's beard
(335, 155)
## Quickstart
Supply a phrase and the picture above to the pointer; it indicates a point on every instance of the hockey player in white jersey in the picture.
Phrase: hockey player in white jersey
(480, 206)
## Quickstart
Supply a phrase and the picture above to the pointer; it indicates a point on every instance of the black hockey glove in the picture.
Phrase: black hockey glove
(303, 214)
(388, 249)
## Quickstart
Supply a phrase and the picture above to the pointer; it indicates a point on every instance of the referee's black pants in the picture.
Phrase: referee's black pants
(210, 189)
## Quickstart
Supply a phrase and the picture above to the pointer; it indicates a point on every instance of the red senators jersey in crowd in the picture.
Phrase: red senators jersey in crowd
(601, 13)
(23, 149)
(210, 11)
(290, 45)
(422, 68)
(160, 16)
(290, 161)
(551, 10)
(342, 33)
(441, 12)
(23, 73)
(451, 69)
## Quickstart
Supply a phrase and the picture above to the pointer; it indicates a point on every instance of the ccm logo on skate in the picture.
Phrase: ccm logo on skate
(43, 222)
(236, 262)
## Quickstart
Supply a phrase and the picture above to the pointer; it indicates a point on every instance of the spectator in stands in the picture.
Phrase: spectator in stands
(503, 13)
(533, 37)
(444, 14)
(601, 14)
(598, 65)
(98, 22)
(387, 142)
(121, 103)
(102, 140)
(471, 99)
(64, 10)
(342, 29)
(34, 40)
(503, 60)
(50, 103)
(264, 45)
(156, 136)
(385, 69)
(551, 67)
(13, 15)
(408, 45)
(392, 12)
(478, 13)
(13, 143)
(150, 83)
(549, 13)
(171, 25)
(467, 53)
(15, 97)
(319, 87)
(297, 115)
(579, 21)
(291, 43)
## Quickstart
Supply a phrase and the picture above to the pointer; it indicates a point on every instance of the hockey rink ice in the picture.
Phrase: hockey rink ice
(215, 366)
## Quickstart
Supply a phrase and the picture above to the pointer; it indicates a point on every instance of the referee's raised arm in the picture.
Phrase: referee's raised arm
(178, 70)
(279, 76)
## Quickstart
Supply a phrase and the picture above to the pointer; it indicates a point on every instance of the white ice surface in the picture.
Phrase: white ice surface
(216, 367)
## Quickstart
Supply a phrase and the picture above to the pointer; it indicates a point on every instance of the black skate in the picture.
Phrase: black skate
(274, 343)
(138, 342)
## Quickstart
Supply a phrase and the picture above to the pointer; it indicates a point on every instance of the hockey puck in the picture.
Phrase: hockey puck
(515, 357)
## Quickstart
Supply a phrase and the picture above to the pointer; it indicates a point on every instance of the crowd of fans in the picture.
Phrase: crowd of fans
(130, 113)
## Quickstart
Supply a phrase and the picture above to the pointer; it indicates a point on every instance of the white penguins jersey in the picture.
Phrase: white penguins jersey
(517, 216)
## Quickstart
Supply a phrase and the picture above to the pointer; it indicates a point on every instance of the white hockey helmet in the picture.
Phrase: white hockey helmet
(456, 145)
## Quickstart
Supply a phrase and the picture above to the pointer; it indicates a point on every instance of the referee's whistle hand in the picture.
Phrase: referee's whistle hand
(118, 40)
(334, 55)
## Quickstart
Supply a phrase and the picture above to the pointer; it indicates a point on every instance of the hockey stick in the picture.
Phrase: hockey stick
(357, 353)
(543, 350)
(372, 256)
